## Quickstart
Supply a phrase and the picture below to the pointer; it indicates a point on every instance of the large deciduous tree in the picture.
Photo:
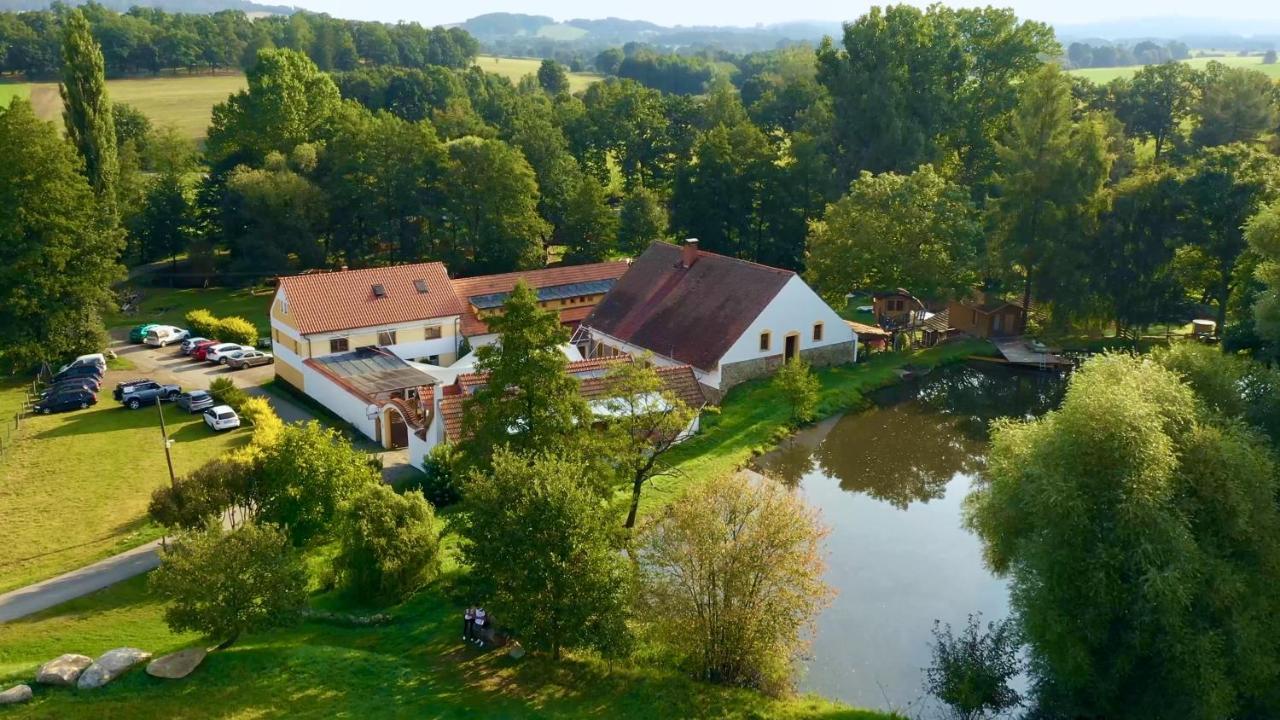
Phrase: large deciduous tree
(545, 553)
(1263, 233)
(57, 260)
(493, 224)
(914, 231)
(731, 576)
(1141, 537)
(1157, 101)
(87, 110)
(641, 220)
(390, 543)
(1236, 105)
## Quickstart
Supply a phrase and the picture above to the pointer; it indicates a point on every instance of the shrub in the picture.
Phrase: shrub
(796, 381)
(266, 425)
(971, 672)
(390, 544)
(224, 584)
(442, 476)
(224, 390)
(237, 330)
(202, 323)
(197, 499)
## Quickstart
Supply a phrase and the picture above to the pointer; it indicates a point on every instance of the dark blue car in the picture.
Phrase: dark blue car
(70, 400)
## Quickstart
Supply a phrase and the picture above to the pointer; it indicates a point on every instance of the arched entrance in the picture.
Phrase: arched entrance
(395, 432)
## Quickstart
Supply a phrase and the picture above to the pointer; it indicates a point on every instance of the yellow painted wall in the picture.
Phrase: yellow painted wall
(279, 316)
(320, 346)
(557, 305)
(289, 374)
(285, 340)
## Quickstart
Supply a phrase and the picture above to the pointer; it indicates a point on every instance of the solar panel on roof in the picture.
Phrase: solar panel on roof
(551, 292)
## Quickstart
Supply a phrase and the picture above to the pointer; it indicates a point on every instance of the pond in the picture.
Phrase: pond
(891, 482)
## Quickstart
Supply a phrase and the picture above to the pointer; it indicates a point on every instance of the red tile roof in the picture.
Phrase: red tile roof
(694, 314)
(547, 277)
(345, 300)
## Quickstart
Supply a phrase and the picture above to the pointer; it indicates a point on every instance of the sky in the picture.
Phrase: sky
(752, 12)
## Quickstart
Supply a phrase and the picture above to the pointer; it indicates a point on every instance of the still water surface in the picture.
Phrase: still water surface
(891, 483)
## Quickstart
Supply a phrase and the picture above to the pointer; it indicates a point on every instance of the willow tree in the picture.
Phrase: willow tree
(87, 110)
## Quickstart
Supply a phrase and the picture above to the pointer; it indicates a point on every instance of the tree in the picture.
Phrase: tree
(641, 220)
(971, 673)
(227, 583)
(131, 125)
(647, 421)
(204, 496)
(553, 78)
(590, 228)
(390, 544)
(914, 231)
(87, 110)
(1236, 105)
(1052, 171)
(57, 261)
(731, 575)
(1269, 58)
(442, 475)
(719, 191)
(1263, 234)
(167, 222)
(541, 541)
(492, 200)
(796, 382)
(528, 403)
(1138, 531)
(1157, 101)
(306, 476)
(272, 218)
(288, 102)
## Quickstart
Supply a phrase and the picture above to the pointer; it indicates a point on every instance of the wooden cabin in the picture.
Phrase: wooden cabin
(986, 316)
(896, 308)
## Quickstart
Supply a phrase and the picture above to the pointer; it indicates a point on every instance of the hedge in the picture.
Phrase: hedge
(202, 323)
(237, 330)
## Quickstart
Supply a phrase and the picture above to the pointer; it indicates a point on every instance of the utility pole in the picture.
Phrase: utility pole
(164, 434)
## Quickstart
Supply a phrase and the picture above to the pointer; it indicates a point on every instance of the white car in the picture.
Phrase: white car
(162, 335)
(91, 359)
(190, 343)
(221, 417)
(219, 353)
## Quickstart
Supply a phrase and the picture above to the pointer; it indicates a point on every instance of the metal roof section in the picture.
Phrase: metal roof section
(552, 292)
(372, 371)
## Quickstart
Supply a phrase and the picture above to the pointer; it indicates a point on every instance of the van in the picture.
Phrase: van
(162, 335)
(97, 359)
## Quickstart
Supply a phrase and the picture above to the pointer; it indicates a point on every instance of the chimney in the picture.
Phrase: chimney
(689, 252)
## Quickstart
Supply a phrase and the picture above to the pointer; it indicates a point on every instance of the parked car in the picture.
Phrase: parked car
(84, 383)
(69, 400)
(195, 401)
(221, 417)
(138, 333)
(135, 396)
(190, 343)
(200, 349)
(92, 359)
(79, 371)
(121, 386)
(162, 335)
(249, 358)
(219, 353)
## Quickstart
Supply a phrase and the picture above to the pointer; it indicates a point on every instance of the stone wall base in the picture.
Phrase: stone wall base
(739, 372)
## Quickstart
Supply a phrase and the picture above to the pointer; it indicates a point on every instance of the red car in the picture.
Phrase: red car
(202, 348)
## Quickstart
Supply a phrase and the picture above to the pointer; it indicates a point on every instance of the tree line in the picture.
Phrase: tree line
(149, 40)
(1147, 52)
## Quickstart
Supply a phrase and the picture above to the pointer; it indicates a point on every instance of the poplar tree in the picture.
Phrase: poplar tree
(87, 110)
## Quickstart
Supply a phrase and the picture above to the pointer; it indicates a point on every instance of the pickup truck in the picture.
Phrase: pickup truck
(135, 396)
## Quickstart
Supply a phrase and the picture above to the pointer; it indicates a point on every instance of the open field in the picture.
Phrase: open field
(182, 101)
(1254, 62)
(75, 486)
(170, 306)
(516, 68)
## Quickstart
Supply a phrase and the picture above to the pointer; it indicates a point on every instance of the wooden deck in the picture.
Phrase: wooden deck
(1018, 351)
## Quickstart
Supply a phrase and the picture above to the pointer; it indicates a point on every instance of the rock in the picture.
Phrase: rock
(111, 665)
(16, 694)
(63, 670)
(176, 666)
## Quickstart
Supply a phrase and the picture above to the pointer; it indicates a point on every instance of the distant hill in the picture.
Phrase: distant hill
(1195, 32)
(186, 6)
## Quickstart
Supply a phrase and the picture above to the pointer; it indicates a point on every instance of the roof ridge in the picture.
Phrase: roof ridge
(722, 256)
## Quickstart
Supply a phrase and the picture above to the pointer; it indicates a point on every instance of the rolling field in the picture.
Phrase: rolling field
(516, 68)
(182, 101)
(1106, 75)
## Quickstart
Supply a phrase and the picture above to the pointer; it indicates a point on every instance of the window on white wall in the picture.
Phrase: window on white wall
(817, 332)
(766, 339)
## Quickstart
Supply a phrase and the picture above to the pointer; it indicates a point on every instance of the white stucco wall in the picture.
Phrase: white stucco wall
(340, 401)
(796, 308)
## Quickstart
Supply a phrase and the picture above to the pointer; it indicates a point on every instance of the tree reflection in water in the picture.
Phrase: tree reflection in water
(919, 435)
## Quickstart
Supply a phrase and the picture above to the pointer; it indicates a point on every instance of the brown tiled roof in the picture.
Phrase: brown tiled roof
(679, 380)
(345, 300)
(574, 315)
(547, 277)
(469, 380)
(693, 315)
(868, 331)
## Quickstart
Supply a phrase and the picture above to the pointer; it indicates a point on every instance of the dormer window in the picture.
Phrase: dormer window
(379, 291)
(421, 285)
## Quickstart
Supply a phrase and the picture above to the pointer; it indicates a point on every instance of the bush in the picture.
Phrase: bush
(224, 584)
(442, 476)
(796, 381)
(390, 544)
(257, 412)
(202, 323)
(971, 672)
(197, 499)
(237, 330)
(224, 390)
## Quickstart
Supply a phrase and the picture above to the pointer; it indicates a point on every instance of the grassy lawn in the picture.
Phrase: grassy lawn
(755, 416)
(414, 667)
(75, 486)
(1253, 62)
(170, 306)
(183, 101)
(516, 68)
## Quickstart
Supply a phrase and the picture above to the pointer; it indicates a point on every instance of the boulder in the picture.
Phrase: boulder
(111, 665)
(63, 670)
(16, 694)
(176, 666)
